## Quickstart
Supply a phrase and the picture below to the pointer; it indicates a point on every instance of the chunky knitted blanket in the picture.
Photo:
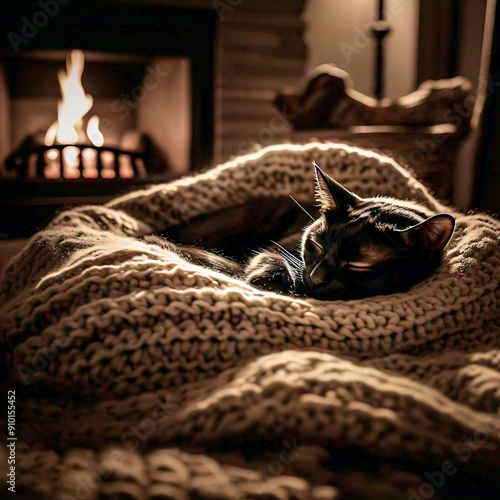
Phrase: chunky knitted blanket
(140, 375)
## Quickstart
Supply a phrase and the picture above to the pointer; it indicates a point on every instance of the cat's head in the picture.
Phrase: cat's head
(360, 247)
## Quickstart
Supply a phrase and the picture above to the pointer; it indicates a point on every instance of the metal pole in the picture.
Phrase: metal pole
(379, 67)
(378, 30)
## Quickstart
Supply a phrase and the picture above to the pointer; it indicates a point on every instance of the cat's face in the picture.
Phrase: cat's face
(364, 247)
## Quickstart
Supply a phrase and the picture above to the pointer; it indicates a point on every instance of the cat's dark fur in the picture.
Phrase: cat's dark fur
(353, 248)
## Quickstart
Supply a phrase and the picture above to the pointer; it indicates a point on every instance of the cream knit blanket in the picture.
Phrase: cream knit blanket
(139, 375)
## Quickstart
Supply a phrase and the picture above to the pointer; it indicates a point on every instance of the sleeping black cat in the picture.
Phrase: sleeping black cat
(354, 247)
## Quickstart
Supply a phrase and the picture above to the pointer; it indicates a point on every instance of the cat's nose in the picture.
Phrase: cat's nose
(317, 275)
(306, 281)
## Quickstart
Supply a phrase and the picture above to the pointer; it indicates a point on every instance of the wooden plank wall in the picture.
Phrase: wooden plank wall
(260, 50)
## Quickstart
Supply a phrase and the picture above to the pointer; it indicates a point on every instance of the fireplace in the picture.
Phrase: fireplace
(102, 97)
(77, 143)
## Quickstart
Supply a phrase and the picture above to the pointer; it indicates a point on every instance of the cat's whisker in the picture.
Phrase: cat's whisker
(284, 249)
(288, 254)
(302, 208)
(296, 265)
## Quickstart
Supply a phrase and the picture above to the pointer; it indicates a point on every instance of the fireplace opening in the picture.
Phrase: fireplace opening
(135, 121)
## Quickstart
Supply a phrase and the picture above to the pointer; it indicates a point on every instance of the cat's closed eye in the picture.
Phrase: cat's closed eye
(358, 266)
(317, 247)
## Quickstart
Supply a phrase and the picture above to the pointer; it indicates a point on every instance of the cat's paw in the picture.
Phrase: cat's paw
(271, 272)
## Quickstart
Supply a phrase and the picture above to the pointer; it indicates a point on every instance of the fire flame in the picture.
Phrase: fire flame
(75, 104)
(93, 132)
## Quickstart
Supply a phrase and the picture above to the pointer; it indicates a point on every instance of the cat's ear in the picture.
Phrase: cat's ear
(435, 232)
(330, 195)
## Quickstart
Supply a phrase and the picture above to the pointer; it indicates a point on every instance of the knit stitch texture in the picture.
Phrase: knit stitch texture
(139, 375)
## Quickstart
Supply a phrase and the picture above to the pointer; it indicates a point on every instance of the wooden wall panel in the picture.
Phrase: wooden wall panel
(260, 51)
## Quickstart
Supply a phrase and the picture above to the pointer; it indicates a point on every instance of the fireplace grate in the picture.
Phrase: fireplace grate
(75, 161)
